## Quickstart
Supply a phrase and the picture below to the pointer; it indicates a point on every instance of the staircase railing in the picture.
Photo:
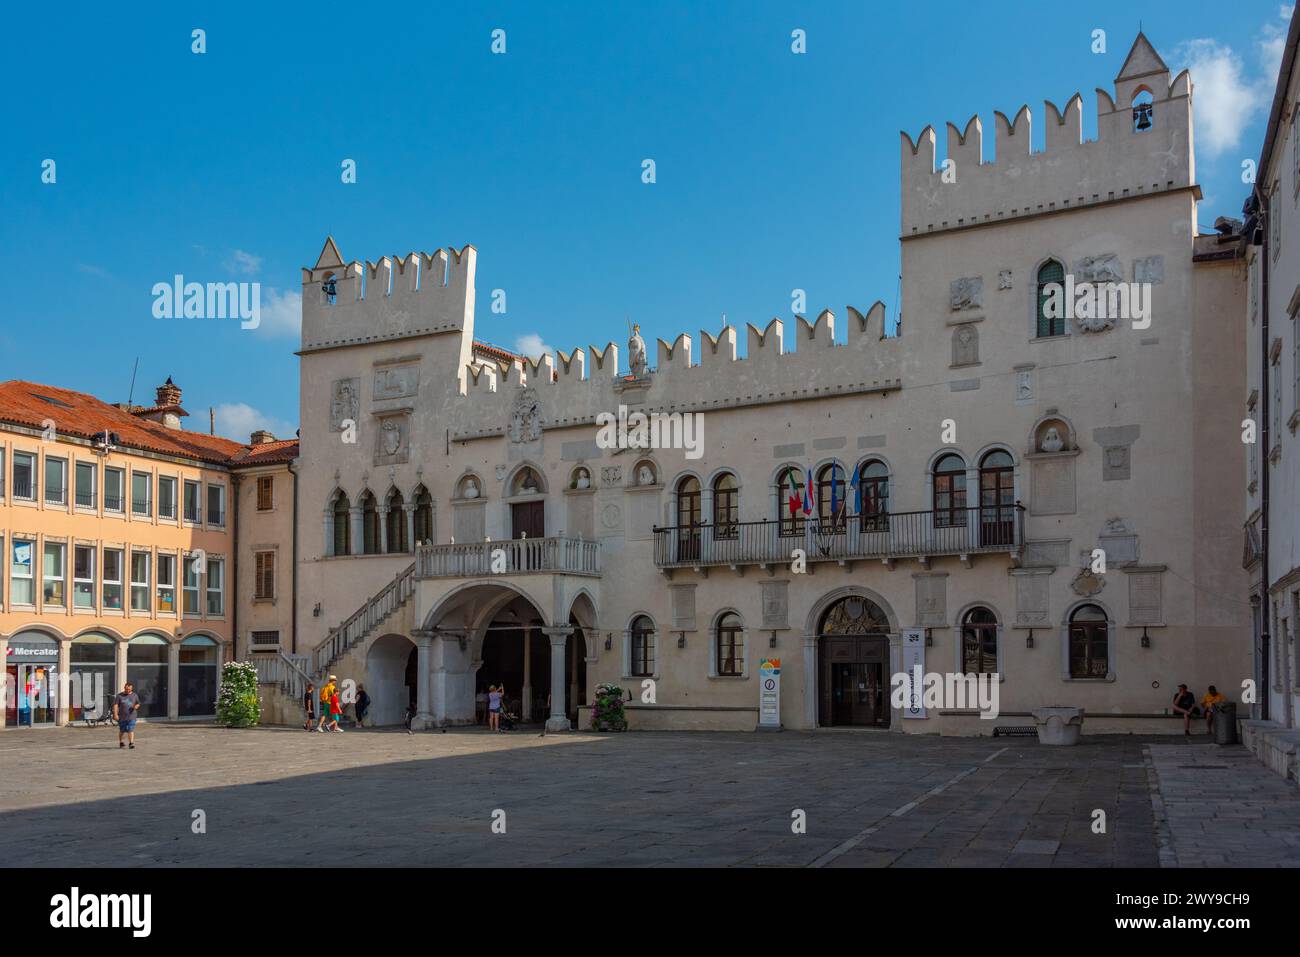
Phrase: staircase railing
(354, 630)
(288, 672)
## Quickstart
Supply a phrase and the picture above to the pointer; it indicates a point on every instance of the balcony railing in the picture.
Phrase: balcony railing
(519, 556)
(884, 536)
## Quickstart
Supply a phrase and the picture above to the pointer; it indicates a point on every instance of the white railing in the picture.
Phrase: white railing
(518, 556)
(355, 629)
(289, 672)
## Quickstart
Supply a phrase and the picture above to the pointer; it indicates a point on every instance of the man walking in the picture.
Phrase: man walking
(125, 705)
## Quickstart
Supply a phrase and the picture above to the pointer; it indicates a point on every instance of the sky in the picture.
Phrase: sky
(773, 170)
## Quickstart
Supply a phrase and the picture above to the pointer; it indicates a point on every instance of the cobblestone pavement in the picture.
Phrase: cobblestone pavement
(70, 797)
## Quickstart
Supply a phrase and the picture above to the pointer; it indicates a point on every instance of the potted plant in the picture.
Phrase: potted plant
(238, 705)
(607, 710)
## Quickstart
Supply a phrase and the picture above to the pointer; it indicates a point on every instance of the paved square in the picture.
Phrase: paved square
(70, 797)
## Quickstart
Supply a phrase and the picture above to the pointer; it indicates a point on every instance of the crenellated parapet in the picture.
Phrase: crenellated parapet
(394, 298)
(1130, 157)
(570, 391)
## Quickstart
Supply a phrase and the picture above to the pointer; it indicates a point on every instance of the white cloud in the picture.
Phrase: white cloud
(243, 262)
(237, 420)
(1228, 94)
(531, 345)
(281, 313)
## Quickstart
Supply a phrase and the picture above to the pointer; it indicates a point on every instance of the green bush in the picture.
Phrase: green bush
(237, 703)
(607, 710)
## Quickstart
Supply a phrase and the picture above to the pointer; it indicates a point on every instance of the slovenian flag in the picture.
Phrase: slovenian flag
(855, 483)
(808, 495)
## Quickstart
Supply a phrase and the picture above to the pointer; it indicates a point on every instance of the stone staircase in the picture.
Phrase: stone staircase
(285, 677)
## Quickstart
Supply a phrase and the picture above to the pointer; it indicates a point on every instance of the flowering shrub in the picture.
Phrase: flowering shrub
(237, 703)
(607, 710)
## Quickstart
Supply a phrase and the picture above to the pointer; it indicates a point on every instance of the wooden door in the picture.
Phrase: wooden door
(528, 520)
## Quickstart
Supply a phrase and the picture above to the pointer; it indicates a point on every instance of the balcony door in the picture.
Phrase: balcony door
(689, 519)
(997, 500)
(528, 520)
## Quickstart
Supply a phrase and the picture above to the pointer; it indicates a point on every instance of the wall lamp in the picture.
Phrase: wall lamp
(1146, 639)
(315, 612)
(1029, 642)
(681, 639)
(609, 640)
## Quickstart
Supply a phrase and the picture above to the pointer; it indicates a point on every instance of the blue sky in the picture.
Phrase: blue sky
(775, 171)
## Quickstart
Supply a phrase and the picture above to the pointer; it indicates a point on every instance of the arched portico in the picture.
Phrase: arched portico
(388, 674)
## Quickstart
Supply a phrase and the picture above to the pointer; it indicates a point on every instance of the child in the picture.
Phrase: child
(336, 710)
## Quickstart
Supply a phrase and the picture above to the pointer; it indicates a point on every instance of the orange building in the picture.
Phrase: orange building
(119, 533)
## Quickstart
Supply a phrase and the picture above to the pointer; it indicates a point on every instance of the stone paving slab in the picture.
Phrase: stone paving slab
(279, 797)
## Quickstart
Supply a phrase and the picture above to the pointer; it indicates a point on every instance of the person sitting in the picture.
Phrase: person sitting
(1210, 705)
(1185, 704)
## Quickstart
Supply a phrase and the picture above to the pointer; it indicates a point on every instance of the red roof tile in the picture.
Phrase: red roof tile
(77, 414)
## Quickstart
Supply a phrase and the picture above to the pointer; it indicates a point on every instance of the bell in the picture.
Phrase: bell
(1142, 114)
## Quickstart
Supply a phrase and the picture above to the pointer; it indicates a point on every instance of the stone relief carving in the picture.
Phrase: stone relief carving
(1094, 323)
(1032, 609)
(526, 417)
(392, 442)
(966, 293)
(1104, 268)
(611, 474)
(1004, 279)
(1024, 385)
(345, 402)
(395, 382)
(1149, 269)
(1115, 464)
(776, 604)
(965, 345)
(1087, 583)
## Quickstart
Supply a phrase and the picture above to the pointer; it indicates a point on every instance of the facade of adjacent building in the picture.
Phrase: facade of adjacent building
(1273, 406)
(120, 531)
(461, 523)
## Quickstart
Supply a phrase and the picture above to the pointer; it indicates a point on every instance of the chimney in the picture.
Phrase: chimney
(260, 437)
(169, 394)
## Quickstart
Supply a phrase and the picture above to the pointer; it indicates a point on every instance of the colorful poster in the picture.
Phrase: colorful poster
(769, 693)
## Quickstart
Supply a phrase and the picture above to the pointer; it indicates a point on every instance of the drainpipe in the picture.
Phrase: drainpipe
(233, 518)
(1266, 401)
(293, 566)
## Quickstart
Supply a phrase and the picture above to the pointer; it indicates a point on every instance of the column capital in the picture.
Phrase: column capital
(557, 632)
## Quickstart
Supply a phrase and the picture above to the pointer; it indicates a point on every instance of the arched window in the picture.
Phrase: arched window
(643, 647)
(396, 522)
(873, 496)
(1089, 643)
(726, 506)
(832, 505)
(997, 499)
(730, 641)
(789, 495)
(342, 525)
(423, 515)
(949, 492)
(1051, 280)
(979, 642)
(689, 518)
(369, 524)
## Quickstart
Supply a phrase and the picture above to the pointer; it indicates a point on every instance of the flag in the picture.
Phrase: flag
(792, 477)
(855, 483)
(835, 490)
(808, 495)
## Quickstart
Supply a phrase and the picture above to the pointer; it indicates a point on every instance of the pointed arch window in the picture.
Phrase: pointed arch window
(342, 525)
(369, 524)
(396, 523)
(423, 515)
(1051, 274)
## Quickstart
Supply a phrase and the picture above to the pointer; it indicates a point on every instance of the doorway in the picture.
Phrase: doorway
(528, 520)
(30, 700)
(853, 665)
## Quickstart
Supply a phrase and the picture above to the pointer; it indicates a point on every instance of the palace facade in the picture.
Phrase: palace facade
(1047, 497)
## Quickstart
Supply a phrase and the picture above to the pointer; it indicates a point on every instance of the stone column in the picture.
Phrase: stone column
(573, 678)
(527, 691)
(558, 721)
(410, 526)
(329, 532)
(811, 677)
(5, 690)
(423, 697)
(62, 685)
(121, 667)
(173, 680)
(382, 511)
(358, 532)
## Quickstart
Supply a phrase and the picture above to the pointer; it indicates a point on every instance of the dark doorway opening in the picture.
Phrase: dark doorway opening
(853, 665)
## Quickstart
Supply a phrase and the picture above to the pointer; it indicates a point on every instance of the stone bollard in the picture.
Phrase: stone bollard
(1058, 725)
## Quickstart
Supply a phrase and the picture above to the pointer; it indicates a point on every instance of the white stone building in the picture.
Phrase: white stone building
(970, 467)
(1272, 397)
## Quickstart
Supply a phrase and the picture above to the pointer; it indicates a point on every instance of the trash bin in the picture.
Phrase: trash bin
(1225, 723)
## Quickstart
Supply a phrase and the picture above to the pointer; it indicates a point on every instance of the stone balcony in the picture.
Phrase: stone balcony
(882, 537)
(519, 556)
